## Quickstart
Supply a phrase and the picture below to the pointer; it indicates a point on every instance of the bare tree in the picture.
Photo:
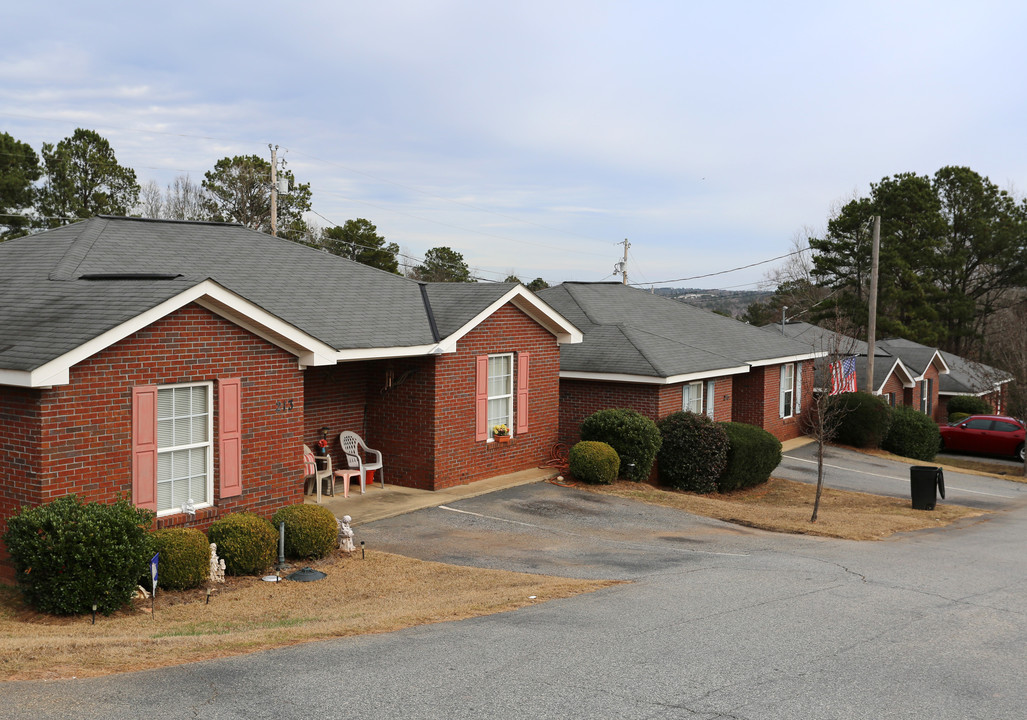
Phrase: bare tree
(823, 415)
(151, 201)
(184, 200)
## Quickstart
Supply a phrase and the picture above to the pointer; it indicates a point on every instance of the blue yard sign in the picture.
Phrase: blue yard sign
(153, 571)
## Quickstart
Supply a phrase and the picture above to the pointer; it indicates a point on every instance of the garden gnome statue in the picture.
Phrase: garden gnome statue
(217, 566)
(346, 534)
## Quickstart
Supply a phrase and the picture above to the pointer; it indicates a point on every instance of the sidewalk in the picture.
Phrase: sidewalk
(379, 503)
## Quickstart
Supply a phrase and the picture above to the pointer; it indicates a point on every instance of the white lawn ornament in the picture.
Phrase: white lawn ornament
(345, 534)
(217, 566)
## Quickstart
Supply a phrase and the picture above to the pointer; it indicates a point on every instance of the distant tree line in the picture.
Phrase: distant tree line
(80, 177)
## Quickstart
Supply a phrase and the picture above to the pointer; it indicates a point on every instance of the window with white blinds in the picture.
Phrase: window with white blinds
(184, 456)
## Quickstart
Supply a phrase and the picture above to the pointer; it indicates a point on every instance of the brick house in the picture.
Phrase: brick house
(166, 361)
(892, 379)
(906, 372)
(656, 355)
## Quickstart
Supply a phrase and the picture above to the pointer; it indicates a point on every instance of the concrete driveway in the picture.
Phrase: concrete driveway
(717, 622)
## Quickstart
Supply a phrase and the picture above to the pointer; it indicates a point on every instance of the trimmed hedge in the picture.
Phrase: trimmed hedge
(912, 434)
(969, 404)
(863, 419)
(68, 554)
(594, 462)
(694, 452)
(310, 530)
(752, 455)
(184, 558)
(246, 542)
(634, 436)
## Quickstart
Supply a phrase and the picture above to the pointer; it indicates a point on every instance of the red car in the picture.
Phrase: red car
(989, 434)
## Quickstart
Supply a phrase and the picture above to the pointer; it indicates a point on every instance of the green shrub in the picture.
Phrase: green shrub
(245, 541)
(970, 405)
(634, 436)
(68, 554)
(863, 419)
(694, 452)
(184, 557)
(912, 435)
(310, 530)
(958, 416)
(594, 462)
(752, 455)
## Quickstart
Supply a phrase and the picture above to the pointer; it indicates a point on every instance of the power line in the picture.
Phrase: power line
(724, 272)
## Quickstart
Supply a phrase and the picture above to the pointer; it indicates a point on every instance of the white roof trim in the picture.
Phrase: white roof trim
(651, 380)
(208, 294)
(390, 352)
(528, 303)
(909, 382)
(789, 359)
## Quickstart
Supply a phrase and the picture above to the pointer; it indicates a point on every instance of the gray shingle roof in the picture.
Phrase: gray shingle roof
(632, 332)
(47, 308)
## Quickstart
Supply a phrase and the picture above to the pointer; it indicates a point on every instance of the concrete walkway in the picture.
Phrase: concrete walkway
(379, 503)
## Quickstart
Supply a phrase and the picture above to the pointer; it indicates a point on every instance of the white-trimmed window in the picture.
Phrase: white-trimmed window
(184, 451)
(691, 397)
(500, 391)
(787, 405)
(711, 390)
(926, 396)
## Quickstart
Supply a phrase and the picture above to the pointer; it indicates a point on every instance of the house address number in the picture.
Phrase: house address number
(283, 405)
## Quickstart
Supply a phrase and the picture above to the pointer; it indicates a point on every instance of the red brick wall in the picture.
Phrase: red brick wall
(581, 398)
(460, 459)
(894, 385)
(401, 417)
(84, 427)
(335, 397)
(757, 400)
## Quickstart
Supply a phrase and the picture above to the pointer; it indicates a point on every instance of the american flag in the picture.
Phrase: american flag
(843, 376)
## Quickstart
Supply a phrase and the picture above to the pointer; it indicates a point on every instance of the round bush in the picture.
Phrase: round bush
(310, 530)
(969, 404)
(634, 436)
(246, 542)
(68, 554)
(863, 419)
(184, 558)
(694, 452)
(752, 455)
(912, 434)
(594, 462)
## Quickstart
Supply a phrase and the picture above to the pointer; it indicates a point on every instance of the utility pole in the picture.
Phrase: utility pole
(623, 265)
(274, 190)
(872, 323)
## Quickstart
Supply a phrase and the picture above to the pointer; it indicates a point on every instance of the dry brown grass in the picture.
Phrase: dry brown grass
(786, 506)
(378, 594)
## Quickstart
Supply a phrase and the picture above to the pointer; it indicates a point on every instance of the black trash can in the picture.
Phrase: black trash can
(924, 484)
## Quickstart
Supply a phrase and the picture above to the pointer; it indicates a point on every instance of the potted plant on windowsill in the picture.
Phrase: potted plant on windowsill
(501, 433)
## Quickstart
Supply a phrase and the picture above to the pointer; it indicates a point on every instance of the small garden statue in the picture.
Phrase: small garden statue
(346, 534)
(217, 566)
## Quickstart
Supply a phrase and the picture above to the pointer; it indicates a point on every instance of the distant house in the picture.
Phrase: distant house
(656, 355)
(892, 379)
(174, 361)
(906, 372)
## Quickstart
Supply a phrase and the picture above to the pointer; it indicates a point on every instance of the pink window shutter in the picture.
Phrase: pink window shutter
(523, 390)
(144, 446)
(230, 436)
(481, 397)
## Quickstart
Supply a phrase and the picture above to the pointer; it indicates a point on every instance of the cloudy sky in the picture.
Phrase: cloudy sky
(533, 137)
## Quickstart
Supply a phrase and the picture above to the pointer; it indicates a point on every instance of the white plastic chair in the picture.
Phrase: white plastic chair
(312, 468)
(356, 451)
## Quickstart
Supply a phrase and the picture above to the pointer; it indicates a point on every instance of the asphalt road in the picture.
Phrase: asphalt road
(716, 622)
